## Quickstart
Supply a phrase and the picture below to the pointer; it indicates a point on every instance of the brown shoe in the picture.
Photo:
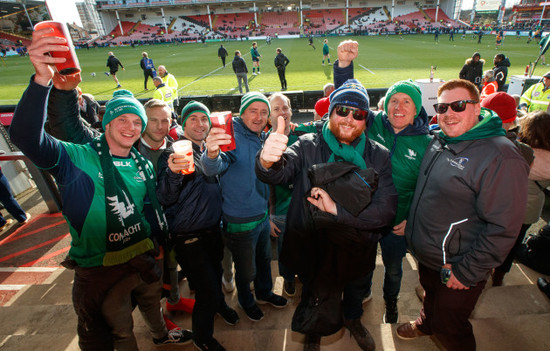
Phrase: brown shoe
(408, 331)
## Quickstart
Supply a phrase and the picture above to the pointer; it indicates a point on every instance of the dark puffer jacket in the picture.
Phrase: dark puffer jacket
(472, 71)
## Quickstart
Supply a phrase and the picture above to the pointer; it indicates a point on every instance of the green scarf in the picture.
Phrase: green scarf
(344, 151)
(121, 215)
(490, 126)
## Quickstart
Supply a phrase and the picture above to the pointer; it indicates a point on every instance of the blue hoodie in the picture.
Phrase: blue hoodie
(244, 196)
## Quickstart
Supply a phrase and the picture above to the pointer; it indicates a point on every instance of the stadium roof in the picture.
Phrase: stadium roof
(8, 8)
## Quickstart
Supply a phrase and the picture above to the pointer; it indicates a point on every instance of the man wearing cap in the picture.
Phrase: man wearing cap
(537, 97)
(193, 208)
(104, 185)
(402, 127)
(331, 249)
(245, 203)
(504, 105)
(461, 222)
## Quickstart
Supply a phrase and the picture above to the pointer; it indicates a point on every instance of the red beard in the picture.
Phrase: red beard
(345, 137)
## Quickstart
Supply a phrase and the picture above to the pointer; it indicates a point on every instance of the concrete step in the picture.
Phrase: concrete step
(515, 316)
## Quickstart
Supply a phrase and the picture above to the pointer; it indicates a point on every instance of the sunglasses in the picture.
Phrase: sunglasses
(457, 106)
(343, 111)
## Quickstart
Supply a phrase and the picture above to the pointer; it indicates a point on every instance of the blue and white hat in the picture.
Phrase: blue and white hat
(352, 93)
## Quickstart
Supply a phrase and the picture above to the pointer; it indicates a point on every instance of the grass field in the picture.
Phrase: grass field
(382, 61)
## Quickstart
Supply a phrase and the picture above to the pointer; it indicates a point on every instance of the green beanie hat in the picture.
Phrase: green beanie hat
(123, 101)
(192, 107)
(407, 87)
(251, 97)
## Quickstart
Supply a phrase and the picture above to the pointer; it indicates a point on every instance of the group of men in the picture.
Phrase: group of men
(445, 198)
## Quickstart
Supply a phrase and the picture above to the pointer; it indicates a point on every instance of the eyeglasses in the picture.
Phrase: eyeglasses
(457, 106)
(343, 111)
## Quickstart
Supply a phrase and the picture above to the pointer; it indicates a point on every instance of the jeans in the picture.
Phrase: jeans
(445, 311)
(354, 292)
(394, 248)
(117, 309)
(240, 77)
(9, 202)
(201, 256)
(280, 222)
(251, 252)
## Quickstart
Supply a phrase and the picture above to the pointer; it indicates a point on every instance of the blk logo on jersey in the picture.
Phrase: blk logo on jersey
(459, 162)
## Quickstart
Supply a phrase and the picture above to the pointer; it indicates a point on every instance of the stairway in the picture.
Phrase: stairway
(387, 12)
(512, 317)
(426, 16)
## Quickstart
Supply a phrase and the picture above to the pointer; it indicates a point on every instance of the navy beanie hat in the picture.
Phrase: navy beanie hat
(352, 93)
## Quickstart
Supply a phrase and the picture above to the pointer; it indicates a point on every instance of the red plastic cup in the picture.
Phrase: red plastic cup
(71, 65)
(224, 120)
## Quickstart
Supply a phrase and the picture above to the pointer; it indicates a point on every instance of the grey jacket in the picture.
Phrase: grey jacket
(470, 199)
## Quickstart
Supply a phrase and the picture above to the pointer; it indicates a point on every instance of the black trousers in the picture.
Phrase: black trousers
(200, 254)
(147, 73)
(282, 78)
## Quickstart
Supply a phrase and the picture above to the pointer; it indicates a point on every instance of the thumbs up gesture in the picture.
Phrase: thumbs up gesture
(274, 146)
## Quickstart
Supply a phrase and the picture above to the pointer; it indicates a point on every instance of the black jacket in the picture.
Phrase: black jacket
(191, 202)
(91, 110)
(281, 61)
(222, 52)
(501, 72)
(239, 65)
(472, 71)
(113, 63)
(314, 248)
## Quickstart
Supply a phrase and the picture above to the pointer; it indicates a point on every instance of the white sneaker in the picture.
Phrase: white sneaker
(259, 72)
(254, 74)
(228, 286)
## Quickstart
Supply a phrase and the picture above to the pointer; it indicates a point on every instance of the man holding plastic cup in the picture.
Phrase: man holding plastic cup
(245, 203)
(193, 208)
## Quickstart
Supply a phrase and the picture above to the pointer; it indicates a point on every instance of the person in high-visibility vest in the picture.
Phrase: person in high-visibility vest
(169, 80)
(537, 97)
(163, 92)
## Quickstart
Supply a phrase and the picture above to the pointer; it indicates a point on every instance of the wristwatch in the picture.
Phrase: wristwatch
(445, 274)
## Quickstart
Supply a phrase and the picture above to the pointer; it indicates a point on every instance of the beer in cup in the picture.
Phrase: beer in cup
(185, 148)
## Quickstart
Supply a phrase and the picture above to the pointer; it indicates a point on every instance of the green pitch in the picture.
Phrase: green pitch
(382, 61)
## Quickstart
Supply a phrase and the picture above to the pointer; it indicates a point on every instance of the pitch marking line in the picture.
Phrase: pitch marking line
(366, 69)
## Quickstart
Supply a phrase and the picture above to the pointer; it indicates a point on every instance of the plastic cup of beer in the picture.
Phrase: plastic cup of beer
(71, 65)
(185, 148)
